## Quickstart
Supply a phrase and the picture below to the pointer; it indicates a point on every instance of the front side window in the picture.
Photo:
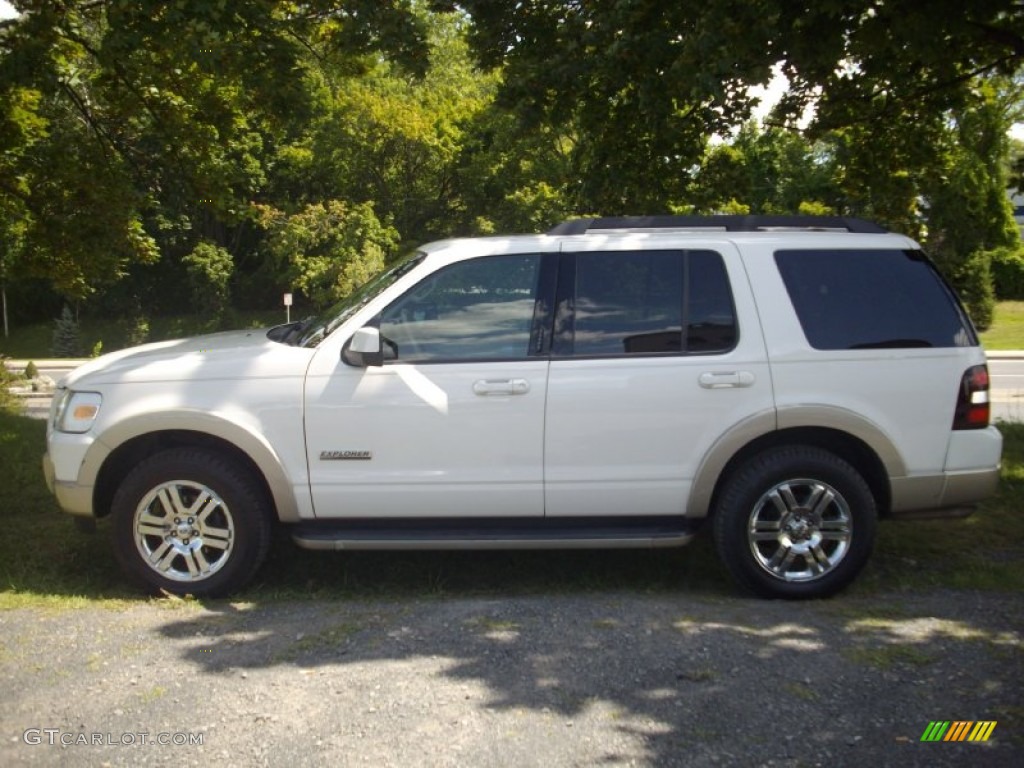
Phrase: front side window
(647, 302)
(872, 299)
(481, 309)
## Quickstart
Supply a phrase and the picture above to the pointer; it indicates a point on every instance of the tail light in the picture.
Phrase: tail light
(972, 403)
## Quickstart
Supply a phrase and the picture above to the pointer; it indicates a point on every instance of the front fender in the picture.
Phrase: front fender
(249, 441)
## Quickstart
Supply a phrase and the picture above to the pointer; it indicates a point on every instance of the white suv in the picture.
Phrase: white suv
(613, 383)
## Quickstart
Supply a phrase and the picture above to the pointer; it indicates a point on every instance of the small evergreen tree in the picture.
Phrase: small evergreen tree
(66, 341)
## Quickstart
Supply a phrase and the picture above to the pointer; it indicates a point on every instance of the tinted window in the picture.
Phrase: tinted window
(640, 302)
(479, 309)
(711, 320)
(864, 299)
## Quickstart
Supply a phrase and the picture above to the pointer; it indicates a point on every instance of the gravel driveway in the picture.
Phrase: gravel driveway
(603, 679)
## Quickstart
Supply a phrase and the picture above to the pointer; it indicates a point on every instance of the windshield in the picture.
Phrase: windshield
(313, 330)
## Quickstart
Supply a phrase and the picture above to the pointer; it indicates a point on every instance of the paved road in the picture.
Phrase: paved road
(1007, 388)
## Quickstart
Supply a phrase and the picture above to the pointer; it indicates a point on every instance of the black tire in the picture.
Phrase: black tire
(795, 522)
(191, 521)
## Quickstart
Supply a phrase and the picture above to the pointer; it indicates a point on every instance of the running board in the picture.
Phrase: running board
(511, 533)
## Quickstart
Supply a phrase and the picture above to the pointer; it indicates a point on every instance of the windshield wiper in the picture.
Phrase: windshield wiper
(288, 333)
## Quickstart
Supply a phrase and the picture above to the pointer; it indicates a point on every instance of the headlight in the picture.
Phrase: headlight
(76, 411)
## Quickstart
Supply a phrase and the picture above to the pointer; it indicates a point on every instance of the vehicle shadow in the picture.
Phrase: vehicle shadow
(626, 676)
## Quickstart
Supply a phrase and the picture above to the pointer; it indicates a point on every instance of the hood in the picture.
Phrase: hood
(231, 354)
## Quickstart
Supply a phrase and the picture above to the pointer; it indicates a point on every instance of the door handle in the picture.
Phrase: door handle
(725, 379)
(485, 387)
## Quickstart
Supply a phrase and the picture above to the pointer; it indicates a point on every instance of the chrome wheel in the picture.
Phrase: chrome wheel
(794, 522)
(800, 530)
(183, 530)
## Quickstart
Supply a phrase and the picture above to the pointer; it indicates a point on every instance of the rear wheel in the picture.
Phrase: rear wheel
(190, 521)
(795, 522)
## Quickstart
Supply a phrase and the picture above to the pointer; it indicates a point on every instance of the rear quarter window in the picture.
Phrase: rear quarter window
(872, 299)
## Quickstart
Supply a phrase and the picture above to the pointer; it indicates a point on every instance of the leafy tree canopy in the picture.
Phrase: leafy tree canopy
(127, 118)
(174, 152)
(644, 82)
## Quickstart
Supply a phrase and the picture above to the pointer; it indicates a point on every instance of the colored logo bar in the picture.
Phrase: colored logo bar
(958, 730)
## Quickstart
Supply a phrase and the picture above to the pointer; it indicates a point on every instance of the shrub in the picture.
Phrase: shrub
(7, 400)
(31, 370)
(209, 269)
(973, 281)
(1008, 272)
(138, 331)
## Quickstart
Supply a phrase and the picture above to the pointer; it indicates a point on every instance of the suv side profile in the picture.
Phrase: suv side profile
(615, 382)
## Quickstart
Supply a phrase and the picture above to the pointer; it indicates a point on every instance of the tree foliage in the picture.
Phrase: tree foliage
(644, 83)
(159, 154)
(209, 269)
(328, 249)
(134, 125)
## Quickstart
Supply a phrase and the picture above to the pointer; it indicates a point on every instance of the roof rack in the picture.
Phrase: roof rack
(728, 223)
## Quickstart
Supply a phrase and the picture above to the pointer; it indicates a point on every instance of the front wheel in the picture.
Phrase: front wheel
(795, 522)
(190, 521)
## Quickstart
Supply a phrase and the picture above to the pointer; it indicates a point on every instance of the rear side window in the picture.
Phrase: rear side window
(872, 299)
(648, 302)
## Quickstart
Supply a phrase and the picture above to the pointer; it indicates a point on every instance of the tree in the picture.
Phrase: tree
(969, 214)
(327, 250)
(156, 117)
(385, 137)
(209, 269)
(642, 84)
(909, 134)
(20, 129)
(514, 178)
(66, 340)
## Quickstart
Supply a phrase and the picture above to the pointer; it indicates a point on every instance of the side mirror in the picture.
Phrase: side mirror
(364, 348)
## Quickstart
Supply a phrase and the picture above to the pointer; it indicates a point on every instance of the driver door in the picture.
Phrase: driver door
(452, 424)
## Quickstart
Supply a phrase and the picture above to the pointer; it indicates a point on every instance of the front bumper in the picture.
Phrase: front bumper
(48, 472)
(73, 498)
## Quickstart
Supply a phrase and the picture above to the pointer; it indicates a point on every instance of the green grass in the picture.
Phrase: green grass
(45, 562)
(984, 551)
(35, 341)
(1007, 331)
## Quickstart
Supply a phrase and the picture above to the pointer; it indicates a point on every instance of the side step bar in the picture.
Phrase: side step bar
(505, 533)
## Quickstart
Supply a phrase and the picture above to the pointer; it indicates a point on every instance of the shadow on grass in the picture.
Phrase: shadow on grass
(59, 562)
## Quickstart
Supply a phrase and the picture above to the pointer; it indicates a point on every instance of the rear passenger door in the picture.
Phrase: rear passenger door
(656, 353)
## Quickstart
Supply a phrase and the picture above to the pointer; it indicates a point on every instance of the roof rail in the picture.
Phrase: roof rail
(728, 223)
